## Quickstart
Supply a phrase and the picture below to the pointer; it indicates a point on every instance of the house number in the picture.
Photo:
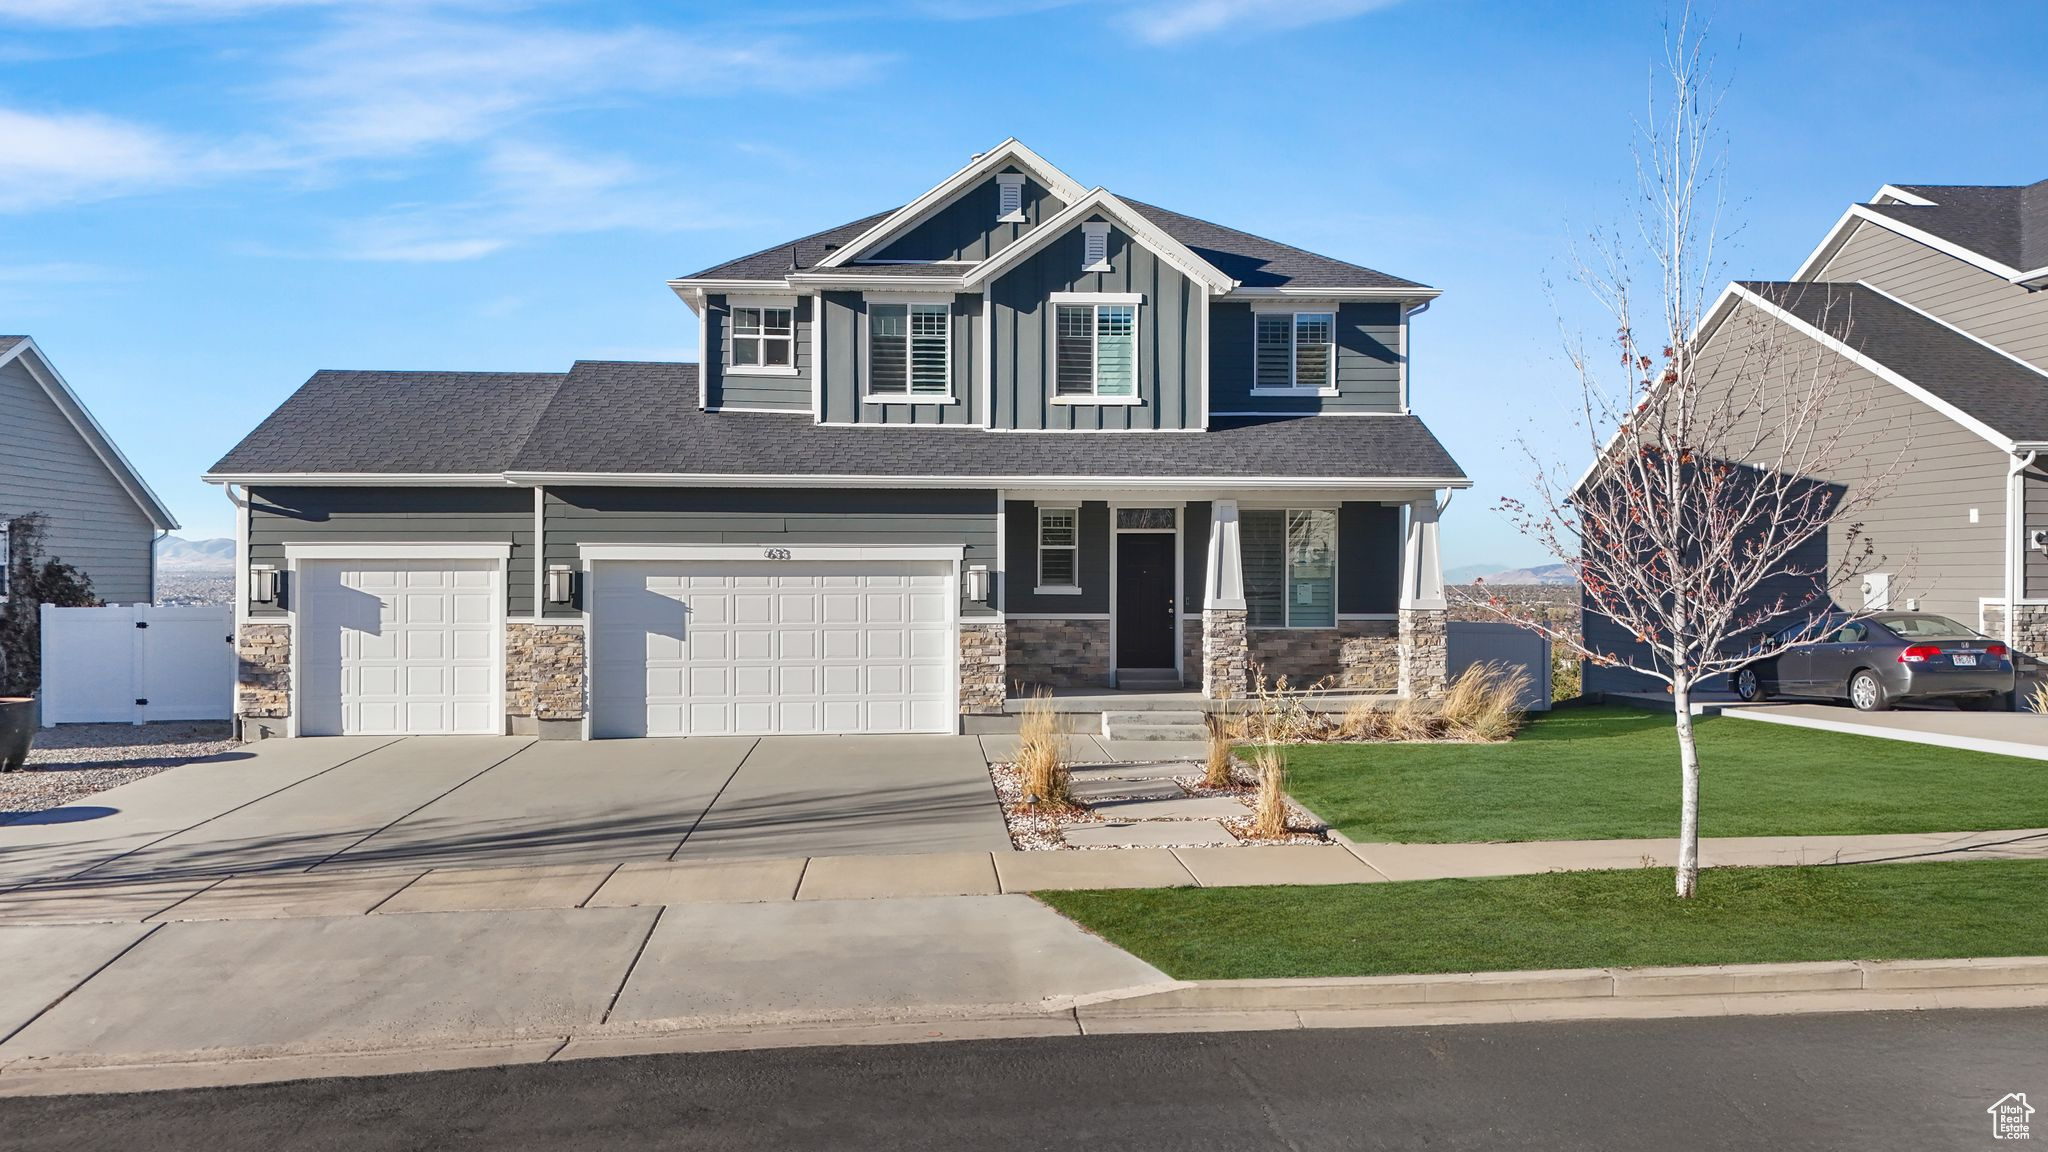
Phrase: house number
(776, 553)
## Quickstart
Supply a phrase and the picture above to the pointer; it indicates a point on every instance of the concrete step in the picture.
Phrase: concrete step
(1154, 732)
(1089, 791)
(1185, 717)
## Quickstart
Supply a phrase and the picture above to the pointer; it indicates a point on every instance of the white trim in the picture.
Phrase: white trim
(1303, 414)
(597, 553)
(1311, 293)
(898, 398)
(774, 300)
(729, 364)
(1001, 576)
(1894, 192)
(746, 370)
(1837, 237)
(449, 551)
(1100, 401)
(1005, 181)
(946, 191)
(1101, 200)
(705, 353)
(1297, 391)
(1052, 350)
(1202, 343)
(867, 348)
(1056, 590)
(759, 411)
(1137, 298)
(1038, 548)
(242, 560)
(1294, 313)
(88, 428)
(366, 479)
(1095, 235)
(818, 361)
(540, 551)
(1055, 482)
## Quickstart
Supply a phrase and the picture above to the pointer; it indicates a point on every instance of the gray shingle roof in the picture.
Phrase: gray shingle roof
(773, 263)
(638, 417)
(431, 422)
(7, 343)
(2008, 223)
(1995, 389)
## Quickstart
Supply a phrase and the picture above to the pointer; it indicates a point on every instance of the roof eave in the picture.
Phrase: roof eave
(1310, 291)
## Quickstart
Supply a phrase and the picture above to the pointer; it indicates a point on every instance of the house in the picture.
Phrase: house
(57, 463)
(1931, 303)
(1017, 433)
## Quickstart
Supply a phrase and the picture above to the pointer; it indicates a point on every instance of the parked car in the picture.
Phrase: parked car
(1877, 661)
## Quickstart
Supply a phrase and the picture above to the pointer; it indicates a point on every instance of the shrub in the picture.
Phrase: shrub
(1042, 751)
(1216, 773)
(1485, 702)
(33, 580)
(1269, 806)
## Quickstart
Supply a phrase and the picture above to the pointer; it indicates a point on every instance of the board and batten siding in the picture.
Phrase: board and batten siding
(769, 517)
(1368, 558)
(1368, 361)
(1169, 338)
(279, 516)
(967, 229)
(90, 520)
(725, 387)
(1020, 519)
(1980, 303)
(843, 397)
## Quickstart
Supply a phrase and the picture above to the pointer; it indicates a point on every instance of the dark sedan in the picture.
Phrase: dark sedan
(1879, 660)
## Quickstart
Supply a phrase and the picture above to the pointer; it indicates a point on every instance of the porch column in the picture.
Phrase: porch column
(1225, 654)
(1425, 658)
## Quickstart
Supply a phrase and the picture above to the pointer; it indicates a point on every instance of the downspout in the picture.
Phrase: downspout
(158, 539)
(2015, 539)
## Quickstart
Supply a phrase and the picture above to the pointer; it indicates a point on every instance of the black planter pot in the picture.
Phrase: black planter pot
(17, 731)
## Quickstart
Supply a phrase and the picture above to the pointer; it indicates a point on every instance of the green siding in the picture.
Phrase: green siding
(281, 516)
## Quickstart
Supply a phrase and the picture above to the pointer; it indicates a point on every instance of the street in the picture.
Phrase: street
(1908, 1080)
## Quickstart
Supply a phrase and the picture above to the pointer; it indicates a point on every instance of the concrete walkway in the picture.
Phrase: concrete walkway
(2022, 734)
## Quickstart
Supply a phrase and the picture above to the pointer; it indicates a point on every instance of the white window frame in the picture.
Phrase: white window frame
(1009, 184)
(6, 557)
(1136, 302)
(867, 347)
(733, 305)
(1287, 568)
(1095, 239)
(1041, 588)
(1294, 312)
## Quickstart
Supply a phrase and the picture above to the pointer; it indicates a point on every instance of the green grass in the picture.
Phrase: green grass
(1601, 773)
(1578, 920)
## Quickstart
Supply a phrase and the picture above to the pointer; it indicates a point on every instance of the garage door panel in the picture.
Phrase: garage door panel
(399, 647)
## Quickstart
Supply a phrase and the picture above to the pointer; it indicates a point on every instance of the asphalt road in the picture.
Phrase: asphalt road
(1866, 1081)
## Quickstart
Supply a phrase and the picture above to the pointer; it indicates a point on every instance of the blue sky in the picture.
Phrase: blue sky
(204, 201)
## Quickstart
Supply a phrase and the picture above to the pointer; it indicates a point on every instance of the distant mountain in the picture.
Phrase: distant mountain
(176, 554)
(1544, 574)
(1466, 573)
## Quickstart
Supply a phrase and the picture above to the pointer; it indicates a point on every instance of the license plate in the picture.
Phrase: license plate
(1963, 659)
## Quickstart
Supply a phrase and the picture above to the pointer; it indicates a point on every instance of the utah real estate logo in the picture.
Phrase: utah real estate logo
(2009, 1118)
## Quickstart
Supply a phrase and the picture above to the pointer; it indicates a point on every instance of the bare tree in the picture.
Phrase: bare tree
(1717, 503)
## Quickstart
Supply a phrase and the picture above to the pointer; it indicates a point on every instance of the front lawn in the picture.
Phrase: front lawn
(1605, 773)
(1578, 920)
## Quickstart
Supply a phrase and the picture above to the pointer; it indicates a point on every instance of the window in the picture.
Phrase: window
(908, 350)
(6, 556)
(1095, 247)
(1295, 351)
(1290, 567)
(764, 338)
(1010, 198)
(1059, 548)
(1095, 351)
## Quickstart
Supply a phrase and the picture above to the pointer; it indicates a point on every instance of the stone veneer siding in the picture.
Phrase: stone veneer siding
(544, 671)
(983, 657)
(1356, 655)
(263, 678)
(1425, 652)
(1226, 661)
(1056, 654)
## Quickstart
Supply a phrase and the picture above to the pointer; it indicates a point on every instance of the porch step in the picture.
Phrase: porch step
(1158, 724)
(1147, 679)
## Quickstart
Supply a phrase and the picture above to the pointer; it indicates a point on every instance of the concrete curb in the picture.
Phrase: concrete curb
(1203, 1006)
(1902, 735)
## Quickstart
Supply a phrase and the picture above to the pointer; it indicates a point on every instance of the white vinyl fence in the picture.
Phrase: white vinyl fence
(134, 664)
(1497, 642)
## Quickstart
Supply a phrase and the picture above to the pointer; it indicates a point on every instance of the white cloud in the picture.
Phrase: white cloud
(108, 13)
(1171, 21)
(69, 157)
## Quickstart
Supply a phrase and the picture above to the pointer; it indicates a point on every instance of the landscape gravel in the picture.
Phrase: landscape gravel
(73, 761)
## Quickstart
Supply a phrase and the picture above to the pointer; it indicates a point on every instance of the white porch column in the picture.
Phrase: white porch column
(1422, 569)
(1226, 653)
(1223, 582)
(1425, 656)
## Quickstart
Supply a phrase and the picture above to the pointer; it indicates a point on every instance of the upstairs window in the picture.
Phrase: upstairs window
(909, 349)
(1059, 548)
(1290, 567)
(1295, 352)
(1010, 198)
(764, 338)
(1095, 247)
(1095, 352)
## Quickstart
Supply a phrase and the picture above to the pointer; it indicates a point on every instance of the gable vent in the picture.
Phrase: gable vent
(1095, 247)
(1010, 197)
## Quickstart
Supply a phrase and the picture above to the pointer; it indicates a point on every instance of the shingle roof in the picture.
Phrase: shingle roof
(1996, 390)
(7, 343)
(773, 263)
(2007, 223)
(638, 417)
(428, 422)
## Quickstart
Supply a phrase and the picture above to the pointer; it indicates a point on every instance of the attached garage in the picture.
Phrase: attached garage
(807, 644)
(391, 645)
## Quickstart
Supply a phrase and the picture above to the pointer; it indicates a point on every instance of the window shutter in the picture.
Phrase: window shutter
(929, 336)
(1010, 196)
(1273, 356)
(1095, 247)
(888, 350)
(1074, 350)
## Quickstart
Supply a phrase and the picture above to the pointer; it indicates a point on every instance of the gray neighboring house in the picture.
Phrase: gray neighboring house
(1017, 433)
(56, 461)
(1931, 301)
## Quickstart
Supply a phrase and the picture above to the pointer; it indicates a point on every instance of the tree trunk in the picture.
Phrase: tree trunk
(1689, 791)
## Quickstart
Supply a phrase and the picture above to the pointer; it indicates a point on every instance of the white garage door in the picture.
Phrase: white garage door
(704, 648)
(398, 646)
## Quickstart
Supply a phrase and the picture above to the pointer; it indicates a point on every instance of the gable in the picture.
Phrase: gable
(968, 229)
(47, 436)
(1009, 155)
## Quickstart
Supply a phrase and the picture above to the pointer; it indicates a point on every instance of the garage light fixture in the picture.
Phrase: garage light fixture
(262, 584)
(561, 583)
(978, 584)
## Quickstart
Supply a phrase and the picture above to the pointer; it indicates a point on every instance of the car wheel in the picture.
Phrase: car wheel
(1867, 693)
(1748, 688)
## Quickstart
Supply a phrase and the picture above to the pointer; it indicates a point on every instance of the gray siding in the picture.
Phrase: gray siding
(280, 516)
(725, 388)
(1021, 550)
(1169, 338)
(967, 229)
(1368, 558)
(1368, 362)
(47, 467)
(842, 398)
(1968, 297)
(768, 516)
(2034, 515)
(1194, 571)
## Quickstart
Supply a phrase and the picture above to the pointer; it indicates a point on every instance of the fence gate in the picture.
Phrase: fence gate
(134, 664)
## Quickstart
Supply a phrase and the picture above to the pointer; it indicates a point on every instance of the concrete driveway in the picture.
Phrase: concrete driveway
(367, 802)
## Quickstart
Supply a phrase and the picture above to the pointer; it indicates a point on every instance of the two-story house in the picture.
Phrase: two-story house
(1929, 306)
(1016, 433)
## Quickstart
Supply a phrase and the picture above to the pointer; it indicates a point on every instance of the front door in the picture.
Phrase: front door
(1144, 600)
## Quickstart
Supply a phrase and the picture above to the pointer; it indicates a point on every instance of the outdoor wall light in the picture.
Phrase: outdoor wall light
(561, 583)
(262, 584)
(978, 583)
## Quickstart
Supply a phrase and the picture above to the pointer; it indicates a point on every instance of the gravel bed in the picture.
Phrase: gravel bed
(1034, 828)
(73, 761)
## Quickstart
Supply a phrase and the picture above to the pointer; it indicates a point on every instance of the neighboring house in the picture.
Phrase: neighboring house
(57, 462)
(1929, 301)
(1016, 433)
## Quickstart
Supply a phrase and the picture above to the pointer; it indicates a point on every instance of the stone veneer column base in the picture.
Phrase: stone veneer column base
(263, 680)
(1055, 654)
(983, 648)
(1425, 653)
(544, 678)
(1226, 654)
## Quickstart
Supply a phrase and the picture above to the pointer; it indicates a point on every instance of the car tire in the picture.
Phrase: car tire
(1867, 692)
(1748, 686)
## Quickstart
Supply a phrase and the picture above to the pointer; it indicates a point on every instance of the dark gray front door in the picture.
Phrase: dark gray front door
(1144, 600)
